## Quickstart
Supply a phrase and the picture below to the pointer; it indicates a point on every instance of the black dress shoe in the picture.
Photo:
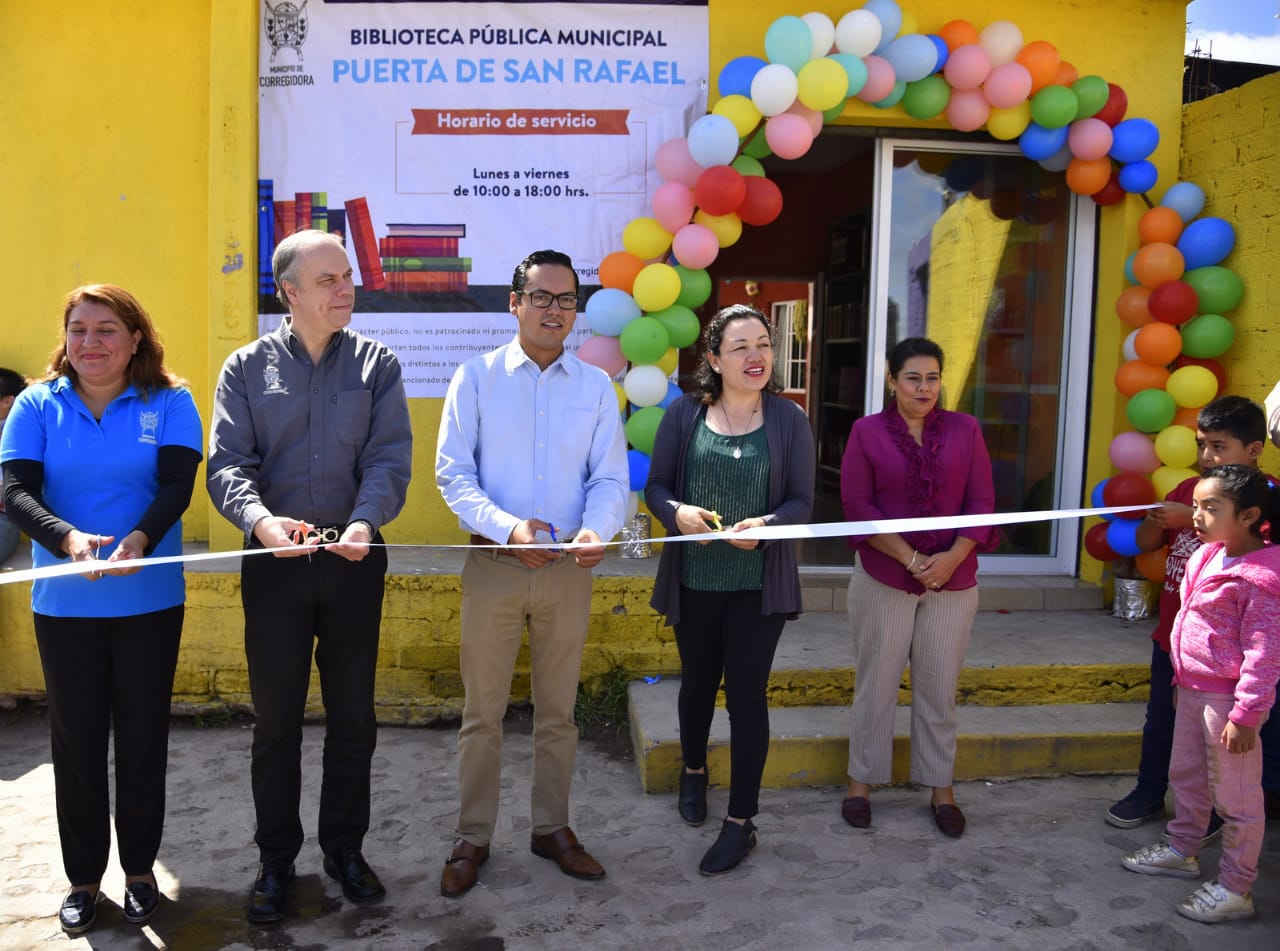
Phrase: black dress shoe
(270, 892)
(735, 844)
(693, 797)
(359, 883)
(79, 911)
(141, 899)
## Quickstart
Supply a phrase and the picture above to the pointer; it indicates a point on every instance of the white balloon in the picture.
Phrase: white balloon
(824, 33)
(645, 385)
(633, 504)
(774, 89)
(1002, 40)
(1130, 353)
(858, 33)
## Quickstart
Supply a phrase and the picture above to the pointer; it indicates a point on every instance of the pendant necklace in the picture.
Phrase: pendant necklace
(737, 450)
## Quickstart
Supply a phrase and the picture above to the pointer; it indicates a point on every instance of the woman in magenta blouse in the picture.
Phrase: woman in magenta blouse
(912, 596)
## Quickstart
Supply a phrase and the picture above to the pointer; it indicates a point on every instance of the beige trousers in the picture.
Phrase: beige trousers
(499, 597)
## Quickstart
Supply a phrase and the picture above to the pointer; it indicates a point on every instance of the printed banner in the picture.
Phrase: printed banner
(445, 141)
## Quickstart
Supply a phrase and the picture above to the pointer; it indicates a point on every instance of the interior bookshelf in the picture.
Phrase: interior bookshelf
(843, 343)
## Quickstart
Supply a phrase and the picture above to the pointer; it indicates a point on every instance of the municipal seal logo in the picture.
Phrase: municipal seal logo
(148, 422)
(271, 380)
(286, 27)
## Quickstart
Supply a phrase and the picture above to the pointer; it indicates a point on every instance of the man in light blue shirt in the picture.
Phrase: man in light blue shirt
(530, 449)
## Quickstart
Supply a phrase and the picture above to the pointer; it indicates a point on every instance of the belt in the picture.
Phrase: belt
(481, 540)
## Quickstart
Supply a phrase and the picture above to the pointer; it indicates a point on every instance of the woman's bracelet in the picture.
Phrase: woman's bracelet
(911, 564)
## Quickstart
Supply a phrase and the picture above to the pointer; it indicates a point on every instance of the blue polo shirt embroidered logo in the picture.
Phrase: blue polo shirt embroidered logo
(271, 377)
(149, 422)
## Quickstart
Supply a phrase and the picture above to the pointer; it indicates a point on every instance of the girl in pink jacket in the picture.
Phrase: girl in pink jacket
(1226, 661)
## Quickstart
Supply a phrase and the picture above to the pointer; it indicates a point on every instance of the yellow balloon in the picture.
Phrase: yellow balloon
(1168, 478)
(670, 360)
(1176, 447)
(622, 396)
(739, 110)
(823, 83)
(1008, 124)
(726, 228)
(646, 239)
(657, 287)
(1192, 386)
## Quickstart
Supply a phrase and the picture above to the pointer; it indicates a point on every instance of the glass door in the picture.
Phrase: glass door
(989, 255)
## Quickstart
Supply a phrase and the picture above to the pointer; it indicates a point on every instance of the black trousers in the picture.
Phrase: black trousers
(723, 634)
(103, 674)
(290, 606)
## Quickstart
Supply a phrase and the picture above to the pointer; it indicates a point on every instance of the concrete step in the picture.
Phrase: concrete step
(1021, 657)
(826, 589)
(810, 744)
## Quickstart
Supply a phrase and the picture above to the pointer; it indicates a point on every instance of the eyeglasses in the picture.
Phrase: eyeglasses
(544, 299)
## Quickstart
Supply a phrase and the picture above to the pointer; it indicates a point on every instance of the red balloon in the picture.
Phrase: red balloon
(1209, 364)
(763, 202)
(1174, 302)
(1095, 543)
(1111, 192)
(1114, 109)
(1128, 488)
(720, 190)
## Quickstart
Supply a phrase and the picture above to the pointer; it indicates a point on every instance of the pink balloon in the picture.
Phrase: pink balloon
(880, 79)
(968, 110)
(1007, 86)
(695, 246)
(675, 164)
(673, 205)
(1089, 139)
(605, 353)
(811, 116)
(788, 135)
(1134, 452)
(967, 67)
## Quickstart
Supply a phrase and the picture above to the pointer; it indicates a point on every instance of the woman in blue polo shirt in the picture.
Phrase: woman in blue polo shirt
(99, 461)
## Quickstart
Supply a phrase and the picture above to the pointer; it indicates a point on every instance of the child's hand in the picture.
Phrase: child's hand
(1170, 516)
(1239, 739)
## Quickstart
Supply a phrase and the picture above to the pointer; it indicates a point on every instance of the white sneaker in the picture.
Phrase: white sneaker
(1161, 859)
(1211, 903)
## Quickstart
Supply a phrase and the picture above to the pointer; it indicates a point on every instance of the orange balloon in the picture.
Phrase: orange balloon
(958, 33)
(1158, 343)
(1066, 74)
(1134, 376)
(1160, 224)
(1157, 262)
(1041, 60)
(1151, 564)
(1188, 416)
(1088, 176)
(619, 269)
(1131, 306)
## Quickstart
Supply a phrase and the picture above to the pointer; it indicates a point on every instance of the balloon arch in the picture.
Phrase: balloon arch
(714, 184)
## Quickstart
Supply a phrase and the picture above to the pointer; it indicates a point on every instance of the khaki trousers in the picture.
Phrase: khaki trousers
(499, 597)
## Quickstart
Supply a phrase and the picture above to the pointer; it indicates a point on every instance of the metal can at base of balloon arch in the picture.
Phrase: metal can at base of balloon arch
(635, 537)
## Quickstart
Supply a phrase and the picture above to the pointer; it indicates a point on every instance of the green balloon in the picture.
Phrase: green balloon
(695, 287)
(834, 113)
(1053, 107)
(757, 146)
(681, 323)
(926, 98)
(1092, 93)
(1209, 335)
(642, 428)
(1218, 289)
(746, 165)
(644, 340)
(1150, 411)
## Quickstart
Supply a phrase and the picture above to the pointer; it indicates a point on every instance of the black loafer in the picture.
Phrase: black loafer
(79, 911)
(735, 844)
(693, 797)
(270, 891)
(359, 883)
(141, 899)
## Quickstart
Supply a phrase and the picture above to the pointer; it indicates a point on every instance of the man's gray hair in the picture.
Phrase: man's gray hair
(284, 263)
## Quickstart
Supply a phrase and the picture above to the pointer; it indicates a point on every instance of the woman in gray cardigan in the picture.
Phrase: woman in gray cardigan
(730, 454)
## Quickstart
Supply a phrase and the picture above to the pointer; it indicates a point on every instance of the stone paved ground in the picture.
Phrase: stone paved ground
(1038, 868)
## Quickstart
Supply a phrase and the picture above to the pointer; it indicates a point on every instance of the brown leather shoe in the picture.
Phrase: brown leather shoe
(562, 848)
(856, 811)
(949, 819)
(462, 868)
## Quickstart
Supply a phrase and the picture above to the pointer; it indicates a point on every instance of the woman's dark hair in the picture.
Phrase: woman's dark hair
(1249, 487)
(913, 347)
(146, 369)
(706, 381)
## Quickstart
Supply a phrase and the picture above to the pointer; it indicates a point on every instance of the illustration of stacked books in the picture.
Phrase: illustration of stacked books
(418, 258)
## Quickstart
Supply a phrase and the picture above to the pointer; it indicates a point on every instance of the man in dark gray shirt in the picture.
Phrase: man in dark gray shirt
(311, 440)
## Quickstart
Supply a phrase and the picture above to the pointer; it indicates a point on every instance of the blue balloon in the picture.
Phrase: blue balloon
(735, 77)
(895, 96)
(890, 16)
(1205, 242)
(1095, 499)
(1122, 536)
(673, 393)
(1059, 160)
(912, 57)
(1137, 177)
(713, 140)
(789, 41)
(1128, 268)
(609, 310)
(1186, 199)
(638, 465)
(854, 68)
(1039, 143)
(943, 52)
(1133, 140)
